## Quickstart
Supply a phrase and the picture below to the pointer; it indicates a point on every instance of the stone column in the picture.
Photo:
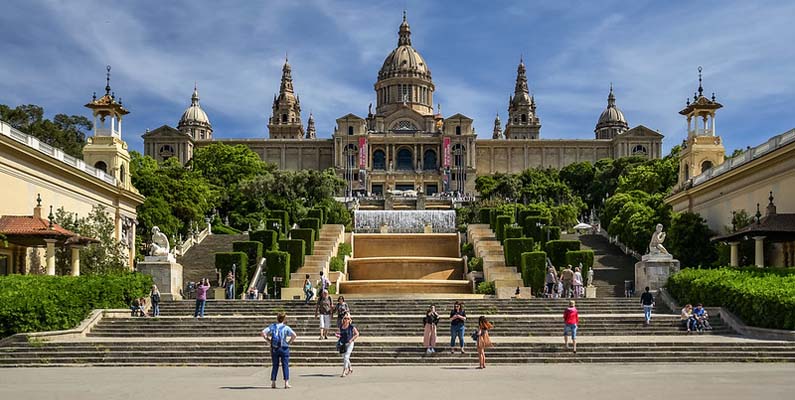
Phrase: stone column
(759, 251)
(75, 260)
(735, 254)
(50, 256)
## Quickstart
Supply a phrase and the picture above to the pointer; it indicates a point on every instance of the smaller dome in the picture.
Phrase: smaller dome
(194, 115)
(612, 115)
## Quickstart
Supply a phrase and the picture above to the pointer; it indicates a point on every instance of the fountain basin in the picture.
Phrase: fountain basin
(388, 268)
(405, 245)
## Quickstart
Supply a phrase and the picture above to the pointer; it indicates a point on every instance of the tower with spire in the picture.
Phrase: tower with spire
(194, 121)
(105, 150)
(702, 149)
(285, 122)
(523, 123)
(497, 133)
(611, 122)
(311, 133)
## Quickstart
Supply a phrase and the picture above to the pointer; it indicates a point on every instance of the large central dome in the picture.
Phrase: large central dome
(404, 78)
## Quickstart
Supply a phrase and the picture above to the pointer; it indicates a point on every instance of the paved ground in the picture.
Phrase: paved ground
(595, 382)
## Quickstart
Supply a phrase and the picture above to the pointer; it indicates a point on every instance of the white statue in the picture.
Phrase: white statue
(159, 246)
(590, 277)
(657, 238)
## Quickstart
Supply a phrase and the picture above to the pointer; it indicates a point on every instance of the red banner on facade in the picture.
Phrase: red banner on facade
(446, 149)
(362, 152)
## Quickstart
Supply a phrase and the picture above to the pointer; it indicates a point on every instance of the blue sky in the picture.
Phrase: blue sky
(54, 54)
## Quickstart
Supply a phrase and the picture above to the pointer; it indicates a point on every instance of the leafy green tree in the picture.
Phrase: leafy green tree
(65, 132)
(105, 257)
(641, 177)
(688, 240)
(579, 177)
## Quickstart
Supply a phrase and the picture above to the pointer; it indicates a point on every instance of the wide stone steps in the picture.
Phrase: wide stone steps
(199, 261)
(322, 353)
(324, 248)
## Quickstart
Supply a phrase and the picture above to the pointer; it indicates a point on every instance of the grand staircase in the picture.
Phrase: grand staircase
(199, 261)
(526, 331)
(324, 249)
(506, 279)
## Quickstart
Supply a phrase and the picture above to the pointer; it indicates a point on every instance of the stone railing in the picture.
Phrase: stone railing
(7, 130)
(183, 248)
(624, 248)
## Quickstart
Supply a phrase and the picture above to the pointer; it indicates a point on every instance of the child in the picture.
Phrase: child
(483, 339)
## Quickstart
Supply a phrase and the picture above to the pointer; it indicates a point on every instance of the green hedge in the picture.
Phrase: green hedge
(531, 230)
(552, 232)
(475, 264)
(277, 263)
(502, 222)
(253, 250)
(485, 288)
(557, 250)
(275, 224)
(534, 269)
(38, 303)
(523, 214)
(312, 223)
(283, 217)
(484, 215)
(344, 249)
(224, 261)
(759, 297)
(513, 232)
(493, 218)
(317, 213)
(221, 229)
(307, 235)
(268, 238)
(297, 249)
(514, 248)
(574, 258)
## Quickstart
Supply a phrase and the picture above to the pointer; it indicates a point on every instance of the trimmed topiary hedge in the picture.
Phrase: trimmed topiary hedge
(253, 250)
(312, 223)
(556, 249)
(514, 248)
(532, 230)
(758, 297)
(317, 213)
(552, 232)
(38, 303)
(224, 262)
(307, 235)
(574, 258)
(283, 217)
(534, 269)
(297, 249)
(277, 263)
(275, 224)
(493, 218)
(268, 238)
(484, 215)
(513, 232)
(523, 214)
(502, 222)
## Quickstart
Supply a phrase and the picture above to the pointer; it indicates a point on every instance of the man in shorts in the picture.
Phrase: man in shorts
(323, 309)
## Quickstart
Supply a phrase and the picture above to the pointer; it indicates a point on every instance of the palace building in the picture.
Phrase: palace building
(404, 142)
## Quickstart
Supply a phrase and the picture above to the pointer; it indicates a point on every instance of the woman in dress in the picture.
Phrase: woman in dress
(483, 339)
(430, 321)
(577, 282)
(348, 335)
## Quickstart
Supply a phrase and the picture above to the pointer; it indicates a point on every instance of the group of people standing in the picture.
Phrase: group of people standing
(568, 283)
(458, 319)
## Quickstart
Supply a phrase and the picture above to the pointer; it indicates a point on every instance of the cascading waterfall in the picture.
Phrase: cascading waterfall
(404, 221)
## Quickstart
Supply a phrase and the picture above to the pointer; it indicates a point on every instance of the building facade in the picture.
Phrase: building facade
(405, 143)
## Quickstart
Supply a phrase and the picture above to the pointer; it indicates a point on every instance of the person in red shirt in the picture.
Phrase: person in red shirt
(570, 318)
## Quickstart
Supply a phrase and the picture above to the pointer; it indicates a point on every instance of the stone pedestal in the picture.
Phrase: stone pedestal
(167, 275)
(653, 271)
(590, 292)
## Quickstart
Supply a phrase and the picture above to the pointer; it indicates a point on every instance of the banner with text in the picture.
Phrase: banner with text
(446, 149)
(362, 152)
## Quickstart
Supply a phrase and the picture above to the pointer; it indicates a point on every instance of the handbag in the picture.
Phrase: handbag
(475, 336)
(342, 347)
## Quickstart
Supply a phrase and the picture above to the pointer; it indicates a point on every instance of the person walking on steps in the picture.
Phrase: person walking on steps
(323, 309)
(341, 308)
(229, 285)
(279, 337)
(458, 319)
(647, 301)
(308, 290)
(430, 323)
(201, 298)
(154, 296)
(571, 319)
(483, 339)
(348, 335)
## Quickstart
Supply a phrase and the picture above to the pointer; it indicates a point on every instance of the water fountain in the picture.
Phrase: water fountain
(404, 221)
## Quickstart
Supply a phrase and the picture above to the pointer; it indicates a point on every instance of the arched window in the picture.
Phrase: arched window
(524, 118)
(379, 160)
(100, 165)
(405, 159)
(457, 130)
(429, 161)
(350, 130)
(640, 150)
(284, 118)
(706, 165)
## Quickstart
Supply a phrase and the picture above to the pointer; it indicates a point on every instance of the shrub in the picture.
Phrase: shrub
(493, 218)
(253, 250)
(484, 215)
(485, 288)
(316, 213)
(532, 228)
(37, 303)
(224, 262)
(523, 214)
(307, 235)
(283, 217)
(275, 224)
(514, 248)
(337, 264)
(557, 250)
(344, 249)
(268, 238)
(759, 297)
(277, 263)
(513, 232)
(534, 269)
(551, 232)
(475, 264)
(502, 222)
(296, 249)
(574, 258)
(468, 250)
(221, 229)
(312, 223)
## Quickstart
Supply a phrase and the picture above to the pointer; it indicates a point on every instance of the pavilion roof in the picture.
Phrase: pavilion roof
(773, 226)
(30, 230)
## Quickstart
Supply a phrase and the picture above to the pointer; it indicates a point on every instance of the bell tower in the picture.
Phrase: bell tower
(106, 150)
(523, 123)
(285, 123)
(702, 149)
